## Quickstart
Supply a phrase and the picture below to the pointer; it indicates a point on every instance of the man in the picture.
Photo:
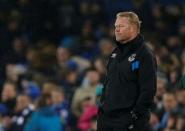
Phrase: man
(22, 113)
(130, 83)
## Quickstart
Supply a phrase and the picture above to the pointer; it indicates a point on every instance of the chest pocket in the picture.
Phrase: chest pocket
(135, 65)
(128, 71)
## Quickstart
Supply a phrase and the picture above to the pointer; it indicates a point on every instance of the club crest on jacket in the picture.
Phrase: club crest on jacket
(113, 55)
(132, 58)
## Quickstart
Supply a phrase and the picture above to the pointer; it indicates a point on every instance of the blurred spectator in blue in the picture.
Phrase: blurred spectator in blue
(106, 47)
(91, 79)
(63, 55)
(154, 120)
(22, 112)
(171, 122)
(61, 106)
(31, 89)
(70, 43)
(71, 79)
(88, 89)
(8, 103)
(45, 118)
(100, 65)
(8, 96)
(170, 104)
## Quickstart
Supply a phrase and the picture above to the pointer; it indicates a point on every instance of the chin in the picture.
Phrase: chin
(117, 39)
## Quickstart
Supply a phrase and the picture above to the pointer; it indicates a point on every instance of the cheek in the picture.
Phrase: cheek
(124, 32)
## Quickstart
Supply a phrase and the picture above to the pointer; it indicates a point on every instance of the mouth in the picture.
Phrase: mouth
(117, 34)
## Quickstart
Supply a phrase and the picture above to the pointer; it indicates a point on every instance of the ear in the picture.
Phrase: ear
(133, 28)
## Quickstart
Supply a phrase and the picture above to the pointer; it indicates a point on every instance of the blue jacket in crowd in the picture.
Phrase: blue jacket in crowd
(45, 119)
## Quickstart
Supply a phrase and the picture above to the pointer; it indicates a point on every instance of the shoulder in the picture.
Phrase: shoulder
(36, 114)
(146, 52)
(114, 50)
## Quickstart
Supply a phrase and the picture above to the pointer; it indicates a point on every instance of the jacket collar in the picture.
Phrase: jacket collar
(131, 45)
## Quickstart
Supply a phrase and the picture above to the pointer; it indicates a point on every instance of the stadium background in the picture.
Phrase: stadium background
(53, 58)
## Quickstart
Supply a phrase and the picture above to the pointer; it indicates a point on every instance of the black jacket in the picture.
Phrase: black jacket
(131, 78)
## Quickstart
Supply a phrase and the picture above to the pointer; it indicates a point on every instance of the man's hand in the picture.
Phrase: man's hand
(132, 119)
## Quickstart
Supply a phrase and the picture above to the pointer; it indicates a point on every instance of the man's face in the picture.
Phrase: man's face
(62, 54)
(22, 102)
(181, 97)
(8, 92)
(93, 77)
(123, 29)
(169, 102)
(161, 88)
(57, 97)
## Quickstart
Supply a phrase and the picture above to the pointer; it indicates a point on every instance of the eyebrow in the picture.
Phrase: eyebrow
(119, 25)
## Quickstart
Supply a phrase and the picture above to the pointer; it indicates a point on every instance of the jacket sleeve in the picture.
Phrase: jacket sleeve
(147, 83)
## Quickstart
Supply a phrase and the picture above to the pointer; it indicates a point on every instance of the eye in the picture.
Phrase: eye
(118, 26)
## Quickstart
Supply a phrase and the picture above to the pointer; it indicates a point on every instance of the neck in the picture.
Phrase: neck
(131, 38)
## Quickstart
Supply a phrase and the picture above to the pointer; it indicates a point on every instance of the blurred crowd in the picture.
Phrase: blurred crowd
(53, 57)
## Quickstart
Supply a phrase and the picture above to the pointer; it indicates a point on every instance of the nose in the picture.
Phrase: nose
(116, 29)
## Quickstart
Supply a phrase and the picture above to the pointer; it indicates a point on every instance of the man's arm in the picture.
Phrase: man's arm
(147, 83)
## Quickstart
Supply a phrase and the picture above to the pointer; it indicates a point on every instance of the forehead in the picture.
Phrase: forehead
(168, 96)
(122, 20)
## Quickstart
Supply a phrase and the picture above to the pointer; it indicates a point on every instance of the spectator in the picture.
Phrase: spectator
(89, 110)
(106, 47)
(23, 111)
(8, 96)
(8, 103)
(154, 120)
(180, 125)
(170, 104)
(44, 118)
(60, 106)
(100, 65)
(171, 124)
(180, 95)
(88, 89)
